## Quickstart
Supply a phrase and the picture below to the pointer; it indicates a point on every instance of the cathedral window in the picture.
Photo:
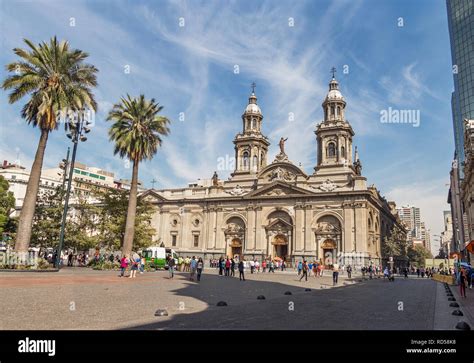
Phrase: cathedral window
(333, 111)
(331, 151)
(343, 151)
(173, 240)
(255, 162)
(196, 240)
(245, 160)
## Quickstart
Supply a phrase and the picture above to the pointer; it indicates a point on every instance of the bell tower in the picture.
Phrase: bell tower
(334, 134)
(251, 146)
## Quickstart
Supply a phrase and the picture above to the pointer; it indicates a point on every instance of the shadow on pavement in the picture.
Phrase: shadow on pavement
(367, 305)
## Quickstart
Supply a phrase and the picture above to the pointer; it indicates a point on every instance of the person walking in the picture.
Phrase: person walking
(142, 264)
(227, 267)
(232, 267)
(304, 270)
(335, 273)
(123, 265)
(470, 275)
(171, 264)
(264, 265)
(221, 265)
(462, 282)
(135, 263)
(349, 271)
(241, 271)
(252, 266)
(315, 268)
(199, 268)
(300, 267)
(192, 268)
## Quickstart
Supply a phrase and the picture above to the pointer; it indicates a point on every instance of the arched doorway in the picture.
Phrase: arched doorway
(279, 235)
(328, 233)
(236, 248)
(235, 237)
(280, 246)
(329, 247)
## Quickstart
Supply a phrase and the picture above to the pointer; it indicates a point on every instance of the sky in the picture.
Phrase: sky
(198, 59)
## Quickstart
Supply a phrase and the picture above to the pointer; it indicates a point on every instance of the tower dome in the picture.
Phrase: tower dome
(334, 93)
(252, 107)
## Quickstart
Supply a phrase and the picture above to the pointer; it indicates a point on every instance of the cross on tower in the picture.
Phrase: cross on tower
(333, 70)
(253, 85)
(153, 183)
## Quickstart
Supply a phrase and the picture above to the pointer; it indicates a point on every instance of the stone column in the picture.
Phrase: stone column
(348, 229)
(220, 239)
(307, 229)
(258, 228)
(299, 234)
(161, 224)
(250, 231)
(361, 226)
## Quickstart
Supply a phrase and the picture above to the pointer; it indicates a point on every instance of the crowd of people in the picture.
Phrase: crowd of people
(227, 267)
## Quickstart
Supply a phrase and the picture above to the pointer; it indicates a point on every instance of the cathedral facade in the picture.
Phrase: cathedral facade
(276, 210)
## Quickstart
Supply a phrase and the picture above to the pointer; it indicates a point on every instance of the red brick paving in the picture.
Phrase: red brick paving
(50, 279)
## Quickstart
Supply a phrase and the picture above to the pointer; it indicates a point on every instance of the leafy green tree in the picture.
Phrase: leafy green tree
(82, 231)
(7, 204)
(136, 131)
(418, 254)
(47, 218)
(57, 80)
(395, 245)
(111, 223)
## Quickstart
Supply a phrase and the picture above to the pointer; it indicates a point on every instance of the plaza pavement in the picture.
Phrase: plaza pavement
(80, 298)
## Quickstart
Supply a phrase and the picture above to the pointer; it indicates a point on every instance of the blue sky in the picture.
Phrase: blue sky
(190, 69)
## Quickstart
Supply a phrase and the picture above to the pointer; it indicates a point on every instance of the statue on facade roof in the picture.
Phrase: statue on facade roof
(282, 145)
(215, 179)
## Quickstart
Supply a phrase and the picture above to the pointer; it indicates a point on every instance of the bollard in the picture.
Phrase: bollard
(161, 312)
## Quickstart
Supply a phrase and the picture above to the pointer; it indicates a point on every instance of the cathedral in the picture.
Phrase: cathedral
(276, 210)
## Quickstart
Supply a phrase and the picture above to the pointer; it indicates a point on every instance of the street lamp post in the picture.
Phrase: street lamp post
(64, 165)
(77, 131)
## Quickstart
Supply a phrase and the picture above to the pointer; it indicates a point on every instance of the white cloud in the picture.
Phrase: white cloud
(430, 196)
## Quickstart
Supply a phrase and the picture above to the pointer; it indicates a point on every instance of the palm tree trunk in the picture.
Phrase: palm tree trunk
(29, 204)
(131, 212)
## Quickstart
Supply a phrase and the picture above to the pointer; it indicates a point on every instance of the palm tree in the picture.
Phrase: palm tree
(57, 80)
(136, 131)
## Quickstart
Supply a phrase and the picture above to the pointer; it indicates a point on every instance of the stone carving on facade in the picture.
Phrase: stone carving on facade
(327, 186)
(281, 158)
(326, 228)
(233, 228)
(237, 190)
(281, 174)
(276, 191)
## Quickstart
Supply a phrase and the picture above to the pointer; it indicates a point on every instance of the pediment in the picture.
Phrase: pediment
(279, 189)
(281, 171)
(151, 196)
(279, 224)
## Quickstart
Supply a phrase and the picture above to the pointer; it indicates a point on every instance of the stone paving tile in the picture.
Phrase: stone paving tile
(87, 299)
